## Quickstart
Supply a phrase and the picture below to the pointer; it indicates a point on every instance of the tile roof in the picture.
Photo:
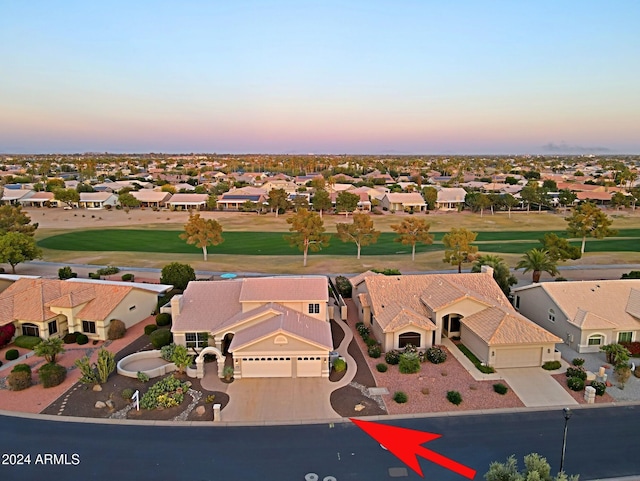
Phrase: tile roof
(286, 321)
(355, 280)
(285, 289)
(147, 195)
(188, 199)
(495, 327)
(95, 196)
(32, 299)
(616, 301)
(410, 198)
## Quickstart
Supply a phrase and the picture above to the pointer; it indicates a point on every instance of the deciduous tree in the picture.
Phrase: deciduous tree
(127, 200)
(307, 233)
(68, 196)
(458, 248)
(202, 233)
(178, 275)
(346, 202)
(430, 195)
(411, 231)
(278, 199)
(538, 261)
(16, 247)
(321, 201)
(361, 231)
(587, 220)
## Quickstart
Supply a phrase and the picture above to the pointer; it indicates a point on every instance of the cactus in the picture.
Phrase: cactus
(106, 364)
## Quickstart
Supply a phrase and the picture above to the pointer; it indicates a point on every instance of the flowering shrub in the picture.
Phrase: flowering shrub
(599, 386)
(577, 361)
(575, 383)
(436, 355)
(392, 357)
(374, 351)
(633, 347)
(166, 393)
(578, 372)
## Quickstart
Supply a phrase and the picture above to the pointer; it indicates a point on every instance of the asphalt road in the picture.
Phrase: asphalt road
(601, 444)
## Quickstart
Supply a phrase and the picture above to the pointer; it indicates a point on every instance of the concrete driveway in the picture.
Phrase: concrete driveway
(536, 388)
(279, 399)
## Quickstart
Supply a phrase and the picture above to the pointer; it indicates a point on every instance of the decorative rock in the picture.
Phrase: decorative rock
(359, 407)
(100, 405)
(200, 410)
(109, 404)
(591, 376)
(97, 388)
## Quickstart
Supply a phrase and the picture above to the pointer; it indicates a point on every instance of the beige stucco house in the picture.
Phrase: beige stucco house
(401, 201)
(421, 309)
(585, 314)
(270, 326)
(450, 198)
(52, 308)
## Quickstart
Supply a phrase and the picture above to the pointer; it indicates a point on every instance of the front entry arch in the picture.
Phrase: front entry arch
(200, 361)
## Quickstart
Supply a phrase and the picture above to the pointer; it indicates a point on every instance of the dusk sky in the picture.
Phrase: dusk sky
(378, 77)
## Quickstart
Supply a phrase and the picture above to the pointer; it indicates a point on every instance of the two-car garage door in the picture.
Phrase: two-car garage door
(518, 357)
(306, 366)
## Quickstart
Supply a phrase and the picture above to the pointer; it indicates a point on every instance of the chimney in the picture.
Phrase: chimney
(176, 302)
(487, 270)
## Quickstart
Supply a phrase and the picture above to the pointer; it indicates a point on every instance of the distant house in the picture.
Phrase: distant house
(14, 196)
(97, 200)
(151, 198)
(364, 204)
(271, 326)
(585, 314)
(400, 202)
(450, 198)
(51, 307)
(421, 309)
(187, 201)
(39, 199)
(235, 198)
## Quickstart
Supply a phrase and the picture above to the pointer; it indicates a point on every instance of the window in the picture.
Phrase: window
(196, 339)
(625, 336)
(314, 308)
(595, 340)
(552, 315)
(412, 338)
(53, 327)
(516, 302)
(89, 327)
(30, 330)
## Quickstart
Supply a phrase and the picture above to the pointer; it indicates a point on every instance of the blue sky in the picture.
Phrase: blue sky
(320, 76)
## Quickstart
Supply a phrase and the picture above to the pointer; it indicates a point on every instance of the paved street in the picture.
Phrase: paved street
(599, 445)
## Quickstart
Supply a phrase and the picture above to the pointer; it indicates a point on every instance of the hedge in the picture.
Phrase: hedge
(149, 328)
(52, 374)
(163, 319)
(27, 342)
(551, 365)
(12, 355)
(161, 337)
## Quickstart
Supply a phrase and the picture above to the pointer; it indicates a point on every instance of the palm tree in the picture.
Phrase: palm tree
(501, 273)
(538, 261)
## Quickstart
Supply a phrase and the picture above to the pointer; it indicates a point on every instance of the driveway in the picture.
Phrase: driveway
(536, 388)
(279, 399)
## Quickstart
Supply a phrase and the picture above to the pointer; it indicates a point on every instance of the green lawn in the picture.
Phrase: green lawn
(273, 243)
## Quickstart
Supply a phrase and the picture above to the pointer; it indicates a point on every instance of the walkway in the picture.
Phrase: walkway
(262, 400)
(536, 388)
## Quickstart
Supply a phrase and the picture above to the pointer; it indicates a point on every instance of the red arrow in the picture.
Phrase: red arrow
(405, 444)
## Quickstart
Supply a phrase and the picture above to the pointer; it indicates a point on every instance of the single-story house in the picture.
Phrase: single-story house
(187, 201)
(271, 326)
(421, 309)
(97, 200)
(235, 198)
(450, 198)
(585, 314)
(151, 198)
(14, 196)
(401, 201)
(52, 307)
(39, 199)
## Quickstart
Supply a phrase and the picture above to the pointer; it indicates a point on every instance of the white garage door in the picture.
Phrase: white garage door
(266, 367)
(524, 357)
(309, 366)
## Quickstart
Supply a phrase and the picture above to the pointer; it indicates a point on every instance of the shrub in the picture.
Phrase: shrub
(21, 368)
(551, 365)
(93, 275)
(363, 330)
(178, 275)
(66, 273)
(19, 380)
(107, 271)
(149, 328)
(387, 272)
(166, 352)
(454, 397)
(27, 342)
(425, 391)
(128, 277)
(374, 351)
(70, 338)
(12, 355)
(575, 383)
(599, 386)
(381, 367)
(409, 363)
(343, 286)
(6, 334)
(339, 365)
(500, 388)
(410, 348)
(392, 357)
(116, 330)
(163, 319)
(161, 337)
(436, 355)
(127, 393)
(210, 398)
(486, 369)
(166, 393)
(577, 361)
(142, 376)
(400, 397)
(632, 347)
(82, 339)
(370, 341)
(576, 372)
(52, 374)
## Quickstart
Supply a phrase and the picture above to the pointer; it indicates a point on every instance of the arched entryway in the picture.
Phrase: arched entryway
(451, 325)
(226, 342)
(220, 360)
